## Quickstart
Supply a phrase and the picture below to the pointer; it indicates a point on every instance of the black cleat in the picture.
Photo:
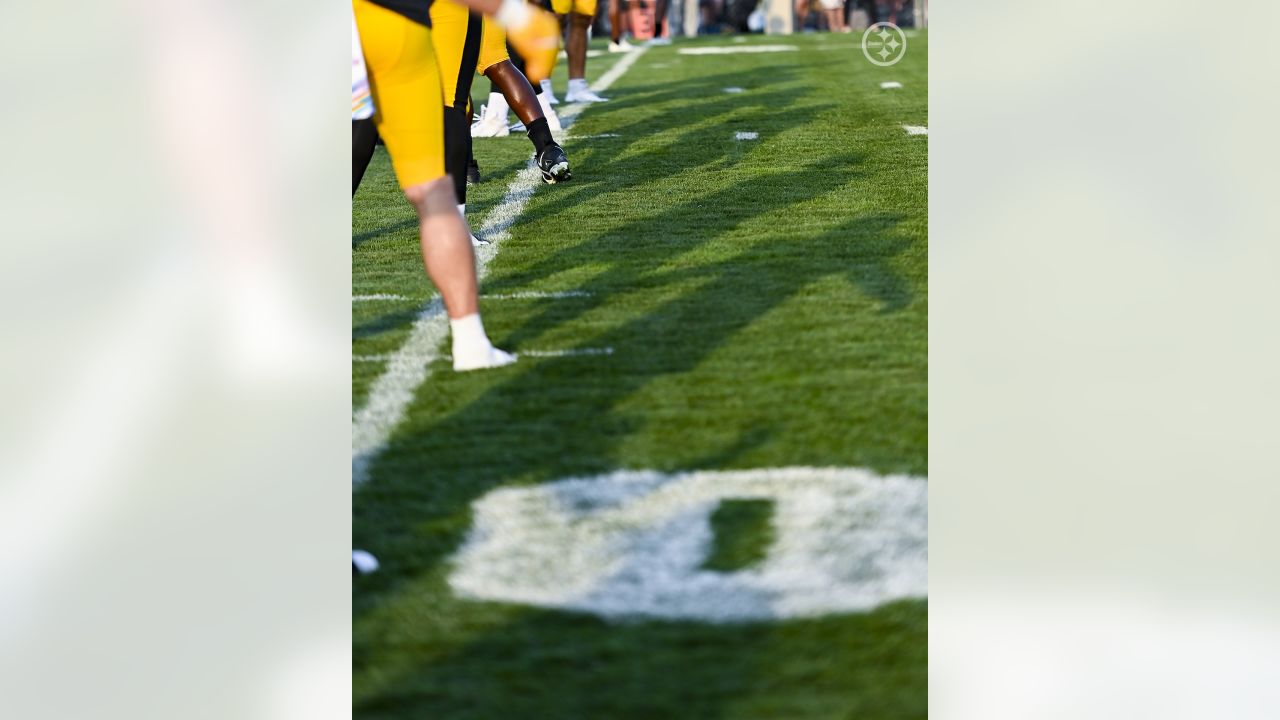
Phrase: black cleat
(554, 164)
(473, 171)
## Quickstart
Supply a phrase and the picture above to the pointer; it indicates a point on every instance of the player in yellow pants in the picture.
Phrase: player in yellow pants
(578, 15)
(404, 81)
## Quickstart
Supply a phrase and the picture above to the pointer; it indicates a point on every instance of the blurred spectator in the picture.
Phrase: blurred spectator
(853, 14)
(831, 15)
(746, 16)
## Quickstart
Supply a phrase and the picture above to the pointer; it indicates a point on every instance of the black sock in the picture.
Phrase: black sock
(540, 134)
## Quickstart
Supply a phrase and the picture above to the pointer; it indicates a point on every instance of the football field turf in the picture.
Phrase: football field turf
(735, 279)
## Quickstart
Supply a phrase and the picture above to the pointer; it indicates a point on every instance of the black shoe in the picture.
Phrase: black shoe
(554, 164)
(473, 172)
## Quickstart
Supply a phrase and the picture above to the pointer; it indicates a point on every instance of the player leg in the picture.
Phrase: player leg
(405, 82)
(551, 158)
(456, 33)
(504, 68)
(493, 115)
(660, 23)
(617, 22)
(495, 64)
(543, 89)
(473, 167)
(584, 12)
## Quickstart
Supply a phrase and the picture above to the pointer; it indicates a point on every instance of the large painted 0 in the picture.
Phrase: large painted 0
(633, 543)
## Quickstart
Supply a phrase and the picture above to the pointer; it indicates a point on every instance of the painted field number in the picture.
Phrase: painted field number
(645, 544)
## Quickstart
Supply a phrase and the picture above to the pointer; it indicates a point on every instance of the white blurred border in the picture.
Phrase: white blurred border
(1103, 307)
(174, 492)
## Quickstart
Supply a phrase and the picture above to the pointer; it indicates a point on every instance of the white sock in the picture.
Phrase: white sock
(498, 105)
(471, 347)
(469, 339)
(546, 86)
(549, 112)
(577, 85)
(475, 241)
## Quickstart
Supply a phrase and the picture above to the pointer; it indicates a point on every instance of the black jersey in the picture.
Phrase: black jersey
(418, 11)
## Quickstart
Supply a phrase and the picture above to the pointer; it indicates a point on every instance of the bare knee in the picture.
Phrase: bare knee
(432, 196)
(580, 21)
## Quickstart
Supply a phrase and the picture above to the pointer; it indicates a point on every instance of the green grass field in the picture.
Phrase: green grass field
(766, 306)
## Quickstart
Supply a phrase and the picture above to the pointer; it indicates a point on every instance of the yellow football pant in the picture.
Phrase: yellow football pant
(464, 45)
(405, 82)
(581, 7)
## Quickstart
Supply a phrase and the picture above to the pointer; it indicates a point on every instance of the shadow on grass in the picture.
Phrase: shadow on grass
(574, 667)
(710, 104)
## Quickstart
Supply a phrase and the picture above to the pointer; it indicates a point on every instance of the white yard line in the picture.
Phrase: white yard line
(916, 129)
(376, 297)
(391, 393)
(569, 352)
(890, 85)
(735, 50)
(533, 295)
(410, 366)
(746, 136)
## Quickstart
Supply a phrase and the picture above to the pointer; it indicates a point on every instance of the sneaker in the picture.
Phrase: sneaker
(473, 171)
(553, 120)
(477, 242)
(657, 41)
(584, 95)
(554, 165)
(620, 47)
(548, 93)
(489, 124)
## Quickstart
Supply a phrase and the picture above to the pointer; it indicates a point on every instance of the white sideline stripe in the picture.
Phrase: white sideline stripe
(409, 367)
(632, 543)
(733, 90)
(890, 85)
(570, 352)
(375, 297)
(392, 392)
(916, 129)
(746, 136)
(731, 50)
(591, 137)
